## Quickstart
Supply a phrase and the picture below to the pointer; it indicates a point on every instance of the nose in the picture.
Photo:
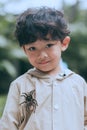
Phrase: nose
(42, 55)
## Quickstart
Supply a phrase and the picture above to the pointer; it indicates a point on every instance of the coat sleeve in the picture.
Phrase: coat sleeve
(85, 108)
(10, 115)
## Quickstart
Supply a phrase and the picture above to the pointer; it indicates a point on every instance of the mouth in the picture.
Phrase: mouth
(44, 62)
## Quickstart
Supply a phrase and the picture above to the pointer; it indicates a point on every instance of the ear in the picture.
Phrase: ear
(65, 43)
(23, 48)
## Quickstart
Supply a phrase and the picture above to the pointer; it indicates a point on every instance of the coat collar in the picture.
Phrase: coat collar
(60, 76)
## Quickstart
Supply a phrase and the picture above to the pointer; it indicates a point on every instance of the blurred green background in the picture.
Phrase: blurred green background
(13, 62)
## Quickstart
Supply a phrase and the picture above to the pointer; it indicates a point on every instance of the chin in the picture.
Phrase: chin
(45, 71)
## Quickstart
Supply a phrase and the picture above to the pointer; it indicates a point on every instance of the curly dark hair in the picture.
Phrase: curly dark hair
(37, 23)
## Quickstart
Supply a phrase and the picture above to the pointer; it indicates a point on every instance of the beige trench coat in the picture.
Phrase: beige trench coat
(61, 102)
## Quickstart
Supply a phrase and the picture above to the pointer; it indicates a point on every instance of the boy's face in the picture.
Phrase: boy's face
(46, 55)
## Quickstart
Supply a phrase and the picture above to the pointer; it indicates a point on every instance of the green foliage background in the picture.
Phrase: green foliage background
(13, 62)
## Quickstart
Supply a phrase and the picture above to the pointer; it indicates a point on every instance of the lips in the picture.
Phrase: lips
(43, 62)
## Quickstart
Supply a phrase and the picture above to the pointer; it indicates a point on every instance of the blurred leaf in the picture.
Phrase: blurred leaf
(8, 67)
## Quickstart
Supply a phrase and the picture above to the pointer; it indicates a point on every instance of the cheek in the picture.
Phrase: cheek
(31, 58)
(56, 53)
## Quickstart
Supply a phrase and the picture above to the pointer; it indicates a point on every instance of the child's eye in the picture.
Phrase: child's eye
(32, 49)
(49, 45)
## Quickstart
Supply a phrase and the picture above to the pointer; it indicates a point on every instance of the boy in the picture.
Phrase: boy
(46, 97)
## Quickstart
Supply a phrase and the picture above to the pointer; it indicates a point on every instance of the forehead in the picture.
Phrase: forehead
(40, 42)
(44, 41)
